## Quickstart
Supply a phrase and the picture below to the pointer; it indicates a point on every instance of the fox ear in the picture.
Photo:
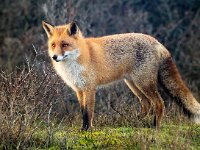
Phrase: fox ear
(48, 28)
(73, 29)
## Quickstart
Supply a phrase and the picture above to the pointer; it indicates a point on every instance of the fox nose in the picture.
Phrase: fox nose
(55, 57)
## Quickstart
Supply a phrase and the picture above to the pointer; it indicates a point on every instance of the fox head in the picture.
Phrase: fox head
(63, 41)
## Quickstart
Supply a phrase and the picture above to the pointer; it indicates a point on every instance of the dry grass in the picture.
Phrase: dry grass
(38, 110)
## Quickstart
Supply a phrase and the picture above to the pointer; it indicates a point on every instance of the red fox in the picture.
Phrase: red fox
(138, 59)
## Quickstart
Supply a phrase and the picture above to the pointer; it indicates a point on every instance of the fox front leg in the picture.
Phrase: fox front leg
(87, 100)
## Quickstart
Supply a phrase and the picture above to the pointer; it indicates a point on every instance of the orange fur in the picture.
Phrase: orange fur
(139, 59)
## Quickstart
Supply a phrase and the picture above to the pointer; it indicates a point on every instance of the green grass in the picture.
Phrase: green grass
(169, 136)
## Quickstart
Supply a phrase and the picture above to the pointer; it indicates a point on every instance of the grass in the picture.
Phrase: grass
(169, 136)
(35, 115)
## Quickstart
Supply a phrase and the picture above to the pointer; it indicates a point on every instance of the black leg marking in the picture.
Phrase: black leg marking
(85, 119)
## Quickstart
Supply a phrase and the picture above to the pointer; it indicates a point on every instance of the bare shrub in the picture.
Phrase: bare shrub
(27, 96)
(32, 96)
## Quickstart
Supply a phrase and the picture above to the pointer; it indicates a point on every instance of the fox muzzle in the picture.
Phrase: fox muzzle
(71, 55)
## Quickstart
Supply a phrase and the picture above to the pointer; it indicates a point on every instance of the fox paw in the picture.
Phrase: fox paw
(86, 128)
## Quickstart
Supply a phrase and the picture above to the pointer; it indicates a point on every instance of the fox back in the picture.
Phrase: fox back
(139, 59)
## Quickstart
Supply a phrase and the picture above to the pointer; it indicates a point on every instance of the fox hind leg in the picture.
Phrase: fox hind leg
(151, 92)
(144, 101)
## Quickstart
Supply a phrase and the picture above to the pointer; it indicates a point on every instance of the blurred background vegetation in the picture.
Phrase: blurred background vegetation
(173, 23)
(26, 75)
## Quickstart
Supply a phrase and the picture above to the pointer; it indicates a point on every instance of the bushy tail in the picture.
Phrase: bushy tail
(171, 80)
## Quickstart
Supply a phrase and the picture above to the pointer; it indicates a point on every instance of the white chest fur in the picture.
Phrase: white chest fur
(71, 71)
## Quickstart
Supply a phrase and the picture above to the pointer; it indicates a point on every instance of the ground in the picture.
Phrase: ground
(169, 136)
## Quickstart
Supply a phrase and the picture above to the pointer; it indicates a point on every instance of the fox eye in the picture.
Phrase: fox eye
(53, 45)
(65, 45)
